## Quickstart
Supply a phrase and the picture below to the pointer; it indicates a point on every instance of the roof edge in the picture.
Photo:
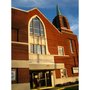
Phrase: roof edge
(39, 11)
(24, 10)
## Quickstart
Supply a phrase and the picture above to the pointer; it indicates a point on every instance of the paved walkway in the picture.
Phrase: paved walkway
(62, 88)
(56, 88)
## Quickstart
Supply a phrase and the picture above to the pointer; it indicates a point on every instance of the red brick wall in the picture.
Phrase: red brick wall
(23, 75)
(19, 52)
(14, 35)
(57, 73)
(20, 35)
(54, 39)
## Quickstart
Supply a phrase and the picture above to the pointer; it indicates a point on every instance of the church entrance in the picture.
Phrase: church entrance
(40, 79)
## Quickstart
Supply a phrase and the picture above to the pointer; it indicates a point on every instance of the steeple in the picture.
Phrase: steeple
(58, 10)
(60, 21)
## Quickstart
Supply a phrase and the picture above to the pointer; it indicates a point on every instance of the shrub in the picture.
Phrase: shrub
(67, 84)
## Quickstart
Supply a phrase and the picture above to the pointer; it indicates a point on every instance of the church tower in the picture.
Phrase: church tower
(61, 22)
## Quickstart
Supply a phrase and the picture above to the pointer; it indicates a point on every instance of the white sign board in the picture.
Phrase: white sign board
(13, 75)
(75, 70)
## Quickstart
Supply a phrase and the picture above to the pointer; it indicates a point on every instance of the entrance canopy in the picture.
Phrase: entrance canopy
(41, 66)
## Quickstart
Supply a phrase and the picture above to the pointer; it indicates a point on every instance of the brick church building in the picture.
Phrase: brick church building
(44, 54)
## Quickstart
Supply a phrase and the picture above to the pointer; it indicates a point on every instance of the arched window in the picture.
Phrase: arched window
(36, 27)
(37, 36)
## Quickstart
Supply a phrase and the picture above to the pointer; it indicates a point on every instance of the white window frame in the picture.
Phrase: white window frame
(13, 75)
(35, 50)
(71, 46)
(35, 29)
(42, 36)
(59, 51)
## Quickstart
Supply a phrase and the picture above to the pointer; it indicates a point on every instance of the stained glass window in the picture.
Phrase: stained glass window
(36, 27)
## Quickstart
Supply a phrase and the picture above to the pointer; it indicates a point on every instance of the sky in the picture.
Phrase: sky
(68, 8)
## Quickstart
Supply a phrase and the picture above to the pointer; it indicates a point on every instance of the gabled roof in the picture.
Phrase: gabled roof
(32, 10)
(23, 10)
(24, 14)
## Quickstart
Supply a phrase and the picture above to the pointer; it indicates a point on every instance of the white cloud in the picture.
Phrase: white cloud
(73, 23)
(33, 3)
(74, 27)
(43, 3)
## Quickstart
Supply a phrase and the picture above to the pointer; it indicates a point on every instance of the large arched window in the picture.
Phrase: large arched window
(37, 37)
(36, 27)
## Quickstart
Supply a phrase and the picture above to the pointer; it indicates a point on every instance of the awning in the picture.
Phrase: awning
(41, 66)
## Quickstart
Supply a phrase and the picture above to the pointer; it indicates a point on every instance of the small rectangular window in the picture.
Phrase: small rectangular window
(43, 49)
(38, 49)
(32, 48)
(61, 50)
(35, 48)
(71, 46)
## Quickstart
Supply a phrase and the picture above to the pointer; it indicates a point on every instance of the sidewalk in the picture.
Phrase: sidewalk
(58, 88)
(62, 88)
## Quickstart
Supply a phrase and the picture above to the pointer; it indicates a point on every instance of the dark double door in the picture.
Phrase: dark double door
(40, 79)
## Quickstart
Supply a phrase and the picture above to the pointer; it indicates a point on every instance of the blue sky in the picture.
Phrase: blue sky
(68, 8)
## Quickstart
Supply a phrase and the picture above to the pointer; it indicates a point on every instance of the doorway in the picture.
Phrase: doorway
(40, 79)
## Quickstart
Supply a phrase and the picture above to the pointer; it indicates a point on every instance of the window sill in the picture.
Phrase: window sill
(62, 55)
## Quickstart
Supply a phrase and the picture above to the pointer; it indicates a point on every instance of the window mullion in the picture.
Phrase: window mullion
(32, 27)
(39, 29)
